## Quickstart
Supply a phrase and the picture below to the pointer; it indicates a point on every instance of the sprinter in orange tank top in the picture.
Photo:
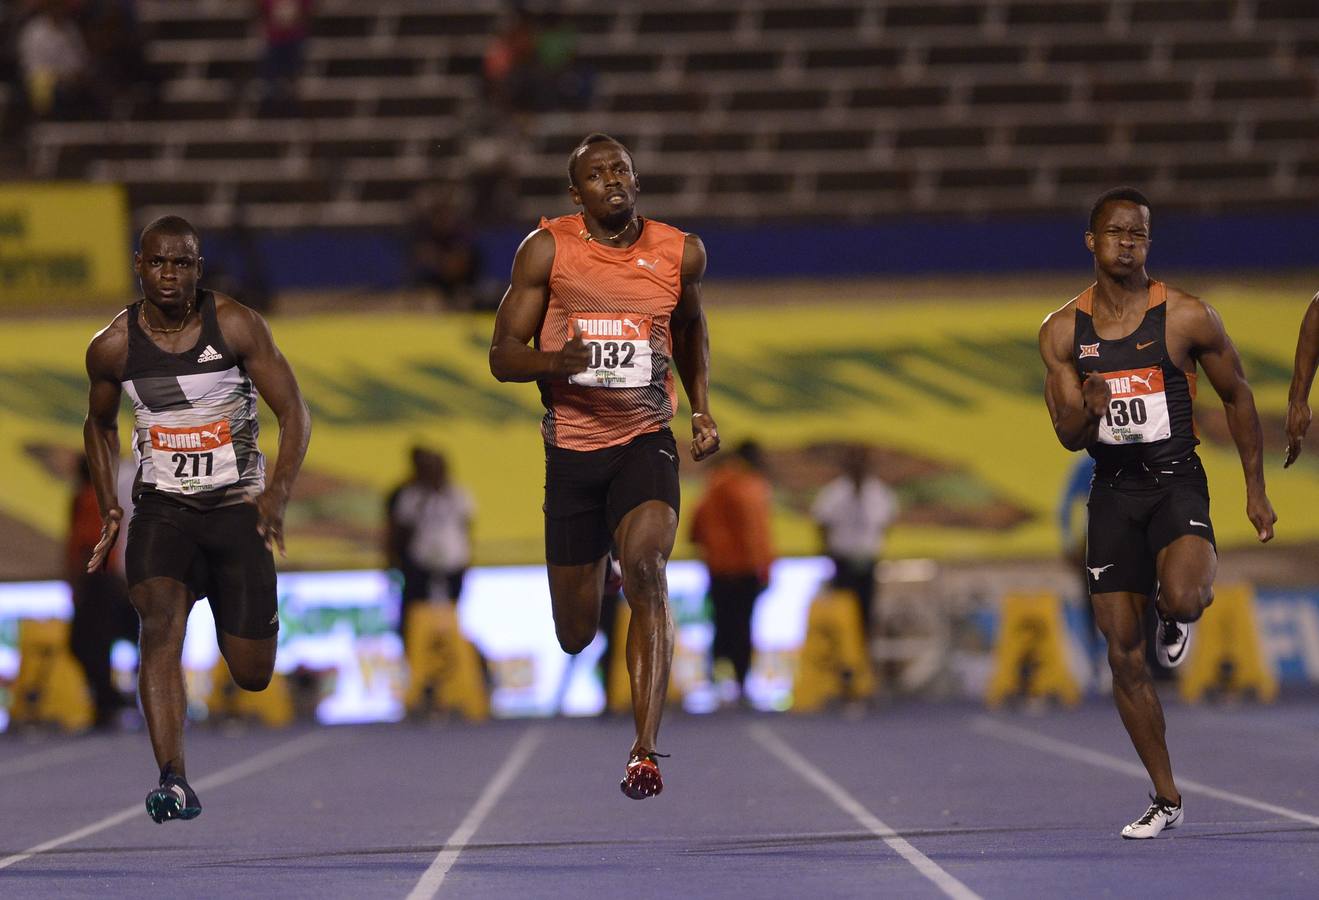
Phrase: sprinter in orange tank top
(1120, 367)
(600, 303)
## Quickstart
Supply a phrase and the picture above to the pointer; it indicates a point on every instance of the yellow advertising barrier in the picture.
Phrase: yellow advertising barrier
(63, 242)
(444, 671)
(1030, 653)
(50, 686)
(272, 707)
(1226, 653)
(834, 662)
(949, 391)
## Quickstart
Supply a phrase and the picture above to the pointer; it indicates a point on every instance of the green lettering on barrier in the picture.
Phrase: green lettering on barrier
(429, 389)
(811, 381)
(482, 402)
(13, 224)
(1008, 364)
(363, 399)
(1265, 370)
(321, 621)
(895, 364)
(45, 394)
(37, 271)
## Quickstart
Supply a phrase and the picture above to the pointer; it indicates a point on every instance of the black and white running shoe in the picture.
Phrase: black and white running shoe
(1172, 642)
(1162, 814)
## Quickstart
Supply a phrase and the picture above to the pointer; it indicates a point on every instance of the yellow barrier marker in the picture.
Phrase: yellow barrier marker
(443, 663)
(834, 663)
(50, 686)
(1226, 653)
(272, 707)
(1030, 653)
(687, 670)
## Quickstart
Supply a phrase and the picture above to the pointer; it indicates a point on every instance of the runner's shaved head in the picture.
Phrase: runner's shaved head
(171, 225)
(598, 137)
(1127, 194)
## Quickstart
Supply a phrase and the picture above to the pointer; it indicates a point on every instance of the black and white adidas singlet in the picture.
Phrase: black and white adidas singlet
(195, 438)
(1149, 418)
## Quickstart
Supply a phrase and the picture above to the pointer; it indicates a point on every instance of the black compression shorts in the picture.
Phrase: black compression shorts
(588, 492)
(216, 552)
(1134, 515)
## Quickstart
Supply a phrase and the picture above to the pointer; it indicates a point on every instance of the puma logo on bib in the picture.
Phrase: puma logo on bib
(619, 345)
(193, 458)
(1138, 410)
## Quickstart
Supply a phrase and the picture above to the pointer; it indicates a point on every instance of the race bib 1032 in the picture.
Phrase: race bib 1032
(619, 345)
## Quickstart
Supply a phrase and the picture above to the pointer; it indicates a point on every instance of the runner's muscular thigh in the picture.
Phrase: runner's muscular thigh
(645, 538)
(1186, 569)
(575, 595)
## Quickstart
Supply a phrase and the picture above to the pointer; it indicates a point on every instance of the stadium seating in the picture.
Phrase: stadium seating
(736, 109)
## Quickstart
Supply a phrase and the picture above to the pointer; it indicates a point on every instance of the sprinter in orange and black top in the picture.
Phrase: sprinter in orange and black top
(606, 299)
(1120, 362)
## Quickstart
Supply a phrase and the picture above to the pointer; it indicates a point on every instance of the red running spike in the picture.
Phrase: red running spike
(642, 778)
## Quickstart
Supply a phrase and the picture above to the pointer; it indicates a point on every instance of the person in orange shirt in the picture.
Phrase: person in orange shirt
(600, 303)
(101, 612)
(731, 526)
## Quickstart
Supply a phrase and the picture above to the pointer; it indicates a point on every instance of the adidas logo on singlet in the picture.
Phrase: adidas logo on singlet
(210, 354)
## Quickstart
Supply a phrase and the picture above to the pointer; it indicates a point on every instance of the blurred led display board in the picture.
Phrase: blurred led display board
(339, 631)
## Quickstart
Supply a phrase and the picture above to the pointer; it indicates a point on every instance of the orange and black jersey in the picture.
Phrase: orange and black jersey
(620, 300)
(1149, 418)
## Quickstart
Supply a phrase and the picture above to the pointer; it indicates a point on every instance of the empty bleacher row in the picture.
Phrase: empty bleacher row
(743, 109)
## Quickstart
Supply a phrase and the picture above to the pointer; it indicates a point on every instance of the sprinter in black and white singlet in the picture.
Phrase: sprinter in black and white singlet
(206, 519)
(1120, 362)
(195, 415)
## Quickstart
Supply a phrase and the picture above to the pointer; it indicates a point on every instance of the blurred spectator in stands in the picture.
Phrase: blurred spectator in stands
(444, 252)
(853, 513)
(428, 533)
(101, 611)
(55, 64)
(284, 26)
(491, 151)
(731, 526)
(562, 81)
(118, 49)
(236, 266)
(509, 64)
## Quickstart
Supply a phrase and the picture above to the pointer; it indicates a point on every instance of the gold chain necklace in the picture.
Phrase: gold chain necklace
(613, 237)
(142, 314)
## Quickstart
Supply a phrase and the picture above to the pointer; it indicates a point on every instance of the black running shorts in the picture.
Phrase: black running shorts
(1134, 516)
(216, 552)
(588, 492)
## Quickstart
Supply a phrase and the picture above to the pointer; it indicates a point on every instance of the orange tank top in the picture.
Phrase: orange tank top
(620, 301)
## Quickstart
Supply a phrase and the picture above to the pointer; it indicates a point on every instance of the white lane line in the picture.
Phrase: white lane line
(434, 876)
(831, 789)
(272, 757)
(31, 762)
(1035, 740)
